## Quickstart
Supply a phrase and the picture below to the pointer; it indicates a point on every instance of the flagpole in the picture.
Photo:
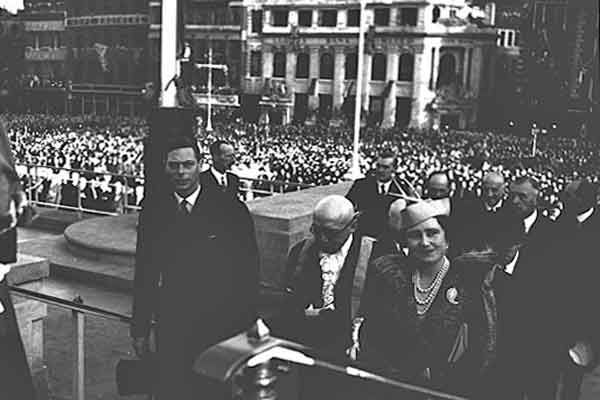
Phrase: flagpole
(168, 54)
(354, 172)
(209, 127)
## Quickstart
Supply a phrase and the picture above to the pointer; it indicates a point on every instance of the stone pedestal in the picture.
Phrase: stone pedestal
(283, 220)
(30, 315)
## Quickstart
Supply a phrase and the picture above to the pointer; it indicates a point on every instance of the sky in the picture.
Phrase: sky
(11, 5)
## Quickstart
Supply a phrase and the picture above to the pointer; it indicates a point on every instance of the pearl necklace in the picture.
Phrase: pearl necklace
(429, 292)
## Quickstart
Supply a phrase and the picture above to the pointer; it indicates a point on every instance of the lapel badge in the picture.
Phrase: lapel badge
(452, 295)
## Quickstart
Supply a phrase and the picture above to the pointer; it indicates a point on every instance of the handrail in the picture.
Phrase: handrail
(70, 305)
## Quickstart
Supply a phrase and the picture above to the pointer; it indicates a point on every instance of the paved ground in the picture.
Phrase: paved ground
(106, 341)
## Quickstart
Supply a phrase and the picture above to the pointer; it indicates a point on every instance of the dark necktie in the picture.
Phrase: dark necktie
(223, 183)
(183, 207)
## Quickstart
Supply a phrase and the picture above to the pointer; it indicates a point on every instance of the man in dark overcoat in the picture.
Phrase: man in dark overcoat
(534, 305)
(482, 222)
(196, 274)
(373, 194)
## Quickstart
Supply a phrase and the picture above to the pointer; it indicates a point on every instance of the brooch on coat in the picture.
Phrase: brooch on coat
(452, 295)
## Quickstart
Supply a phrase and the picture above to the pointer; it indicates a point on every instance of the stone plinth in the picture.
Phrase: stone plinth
(30, 315)
(283, 220)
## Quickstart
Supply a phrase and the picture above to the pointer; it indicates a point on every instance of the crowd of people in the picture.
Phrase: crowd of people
(284, 158)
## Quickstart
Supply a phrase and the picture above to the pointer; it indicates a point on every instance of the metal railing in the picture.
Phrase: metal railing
(79, 312)
(250, 188)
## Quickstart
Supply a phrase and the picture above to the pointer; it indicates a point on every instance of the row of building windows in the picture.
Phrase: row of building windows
(88, 7)
(406, 16)
(326, 66)
(42, 39)
(123, 37)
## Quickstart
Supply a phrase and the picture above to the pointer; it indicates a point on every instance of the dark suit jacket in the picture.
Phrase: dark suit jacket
(365, 196)
(330, 331)
(474, 227)
(582, 241)
(209, 182)
(535, 308)
(207, 263)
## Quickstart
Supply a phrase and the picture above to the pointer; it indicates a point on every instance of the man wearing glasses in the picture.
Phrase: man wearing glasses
(320, 274)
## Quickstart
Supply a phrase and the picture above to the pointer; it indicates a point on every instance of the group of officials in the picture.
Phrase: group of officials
(485, 298)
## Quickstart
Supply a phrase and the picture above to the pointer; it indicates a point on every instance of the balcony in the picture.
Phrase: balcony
(45, 54)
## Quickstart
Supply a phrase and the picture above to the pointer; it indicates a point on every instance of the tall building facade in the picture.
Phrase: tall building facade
(107, 57)
(426, 62)
(44, 73)
(214, 25)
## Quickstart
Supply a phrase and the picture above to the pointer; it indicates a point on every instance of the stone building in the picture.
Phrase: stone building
(106, 60)
(43, 77)
(426, 62)
(207, 24)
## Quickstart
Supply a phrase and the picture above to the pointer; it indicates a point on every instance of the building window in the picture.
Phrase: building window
(302, 65)
(328, 18)
(353, 18)
(255, 63)
(378, 67)
(236, 16)
(409, 16)
(280, 17)
(406, 67)
(279, 65)
(436, 14)
(453, 13)
(382, 16)
(326, 66)
(305, 18)
(502, 38)
(257, 21)
(351, 65)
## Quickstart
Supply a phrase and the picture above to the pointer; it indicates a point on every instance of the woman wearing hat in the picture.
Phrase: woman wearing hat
(428, 319)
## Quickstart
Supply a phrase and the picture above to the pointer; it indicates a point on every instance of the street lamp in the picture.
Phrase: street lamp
(354, 172)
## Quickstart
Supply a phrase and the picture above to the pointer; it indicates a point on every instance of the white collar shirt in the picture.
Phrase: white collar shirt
(221, 178)
(530, 220)
(383, 187)
(585, 215)
(493, 208)
(510, 267)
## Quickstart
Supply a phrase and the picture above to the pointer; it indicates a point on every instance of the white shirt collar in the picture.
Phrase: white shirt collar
(585, 215)
(510, 267)
(191, 199)
(495, 207)
(530, 220)
(218, 176)
(386, 185)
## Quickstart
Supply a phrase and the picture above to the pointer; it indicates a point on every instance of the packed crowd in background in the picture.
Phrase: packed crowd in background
(277, 158)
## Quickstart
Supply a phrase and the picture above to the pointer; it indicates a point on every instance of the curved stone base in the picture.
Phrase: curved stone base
(110, 239)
